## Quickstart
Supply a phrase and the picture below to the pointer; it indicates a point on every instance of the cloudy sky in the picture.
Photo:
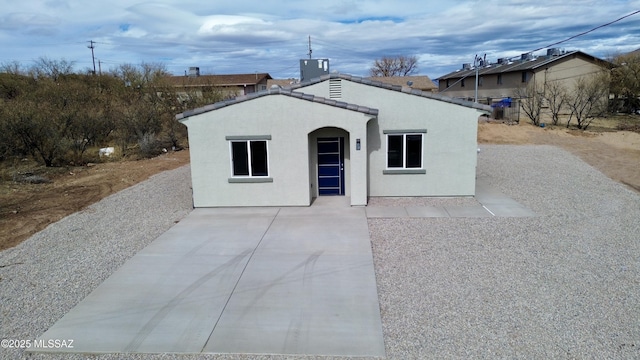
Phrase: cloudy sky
(247, 36)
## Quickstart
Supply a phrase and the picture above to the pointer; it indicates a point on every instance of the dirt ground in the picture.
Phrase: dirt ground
(28, 208)
(615, 153)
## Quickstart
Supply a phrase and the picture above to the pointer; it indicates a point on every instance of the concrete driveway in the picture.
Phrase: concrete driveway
(245, 280)
(293, 280)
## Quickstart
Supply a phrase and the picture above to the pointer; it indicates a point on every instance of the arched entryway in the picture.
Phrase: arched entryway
(329, 162)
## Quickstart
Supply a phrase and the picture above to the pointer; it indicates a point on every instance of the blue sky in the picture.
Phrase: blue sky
(272, 35)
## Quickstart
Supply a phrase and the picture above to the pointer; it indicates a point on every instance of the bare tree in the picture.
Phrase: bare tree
(139, 76)
(556, 96)
(53, 69)
(12, 67)
(531, 98)
(395, 66)
(141, 105)
(589, 99)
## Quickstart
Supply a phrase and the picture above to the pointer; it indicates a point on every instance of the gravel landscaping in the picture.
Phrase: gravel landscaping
(563, 284)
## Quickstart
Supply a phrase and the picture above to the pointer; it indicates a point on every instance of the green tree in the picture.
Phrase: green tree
(625, 81)
(33, 120)
(93, 121)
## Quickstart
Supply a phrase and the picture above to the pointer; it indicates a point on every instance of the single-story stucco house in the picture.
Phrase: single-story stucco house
(333, 135)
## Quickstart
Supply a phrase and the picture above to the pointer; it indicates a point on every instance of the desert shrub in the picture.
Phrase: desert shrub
(149, 145)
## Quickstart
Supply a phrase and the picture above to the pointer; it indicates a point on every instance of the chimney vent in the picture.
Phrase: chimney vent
(553, 52)
(194, 71)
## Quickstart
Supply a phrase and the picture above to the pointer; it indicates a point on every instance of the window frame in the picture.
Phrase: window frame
(248, 140)
(404, 169)
(499, 79)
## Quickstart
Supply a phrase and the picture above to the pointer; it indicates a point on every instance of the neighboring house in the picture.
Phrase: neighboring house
(231, 85)
(333, 135)
(283, 83)
(420, 82)
(502, 79)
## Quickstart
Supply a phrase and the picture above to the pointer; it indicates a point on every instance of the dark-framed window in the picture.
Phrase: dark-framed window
(404, 151)
(499, 79)
(249, 158)
(462, 83)
(524, 76)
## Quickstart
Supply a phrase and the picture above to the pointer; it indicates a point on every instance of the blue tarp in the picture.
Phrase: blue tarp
(506, 102)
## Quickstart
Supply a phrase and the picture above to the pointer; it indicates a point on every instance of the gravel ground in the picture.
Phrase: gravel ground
(560, 285)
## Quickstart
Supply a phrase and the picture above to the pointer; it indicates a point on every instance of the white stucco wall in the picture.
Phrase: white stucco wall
(450, 144)
(288, 121)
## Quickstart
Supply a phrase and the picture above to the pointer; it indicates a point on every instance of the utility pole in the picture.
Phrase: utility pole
(477, 62)
(310, 51)
(91, 46)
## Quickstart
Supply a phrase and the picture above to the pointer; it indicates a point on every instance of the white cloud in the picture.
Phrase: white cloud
(271, 36)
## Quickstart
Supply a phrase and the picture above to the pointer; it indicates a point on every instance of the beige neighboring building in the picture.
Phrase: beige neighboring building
(337, 135)
(501, 79)
(283, 83)
(231, 85)
(420, 82)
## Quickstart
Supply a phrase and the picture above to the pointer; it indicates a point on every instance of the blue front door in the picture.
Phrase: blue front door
(331, 166)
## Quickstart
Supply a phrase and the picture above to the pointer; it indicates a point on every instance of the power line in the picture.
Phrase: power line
(588, 31)
(560, 42)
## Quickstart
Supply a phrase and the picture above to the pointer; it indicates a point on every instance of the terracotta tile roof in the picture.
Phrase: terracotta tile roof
(281, 82)
(219, 80)
(278, 91)
(417, 82)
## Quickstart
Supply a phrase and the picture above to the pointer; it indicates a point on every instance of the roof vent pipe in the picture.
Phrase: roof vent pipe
(526, 56)
(554, 52)
(194, 71)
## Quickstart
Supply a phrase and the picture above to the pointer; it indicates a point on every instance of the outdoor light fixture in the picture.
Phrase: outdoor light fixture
(357, 144)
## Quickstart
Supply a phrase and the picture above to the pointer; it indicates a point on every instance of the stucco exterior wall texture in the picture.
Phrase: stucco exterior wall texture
(293, 126)
(288, 121)
(450, 144)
